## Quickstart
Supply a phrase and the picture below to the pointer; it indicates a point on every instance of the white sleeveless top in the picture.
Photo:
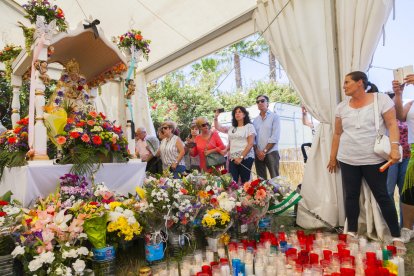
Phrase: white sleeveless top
(410, 124)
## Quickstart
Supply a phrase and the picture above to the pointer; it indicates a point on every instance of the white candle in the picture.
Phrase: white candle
(259, 270)
(209, 256)
(249, 269)
(221, 252)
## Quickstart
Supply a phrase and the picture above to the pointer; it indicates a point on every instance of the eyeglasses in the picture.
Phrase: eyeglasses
(165, 127)
(261, 101)
(205, 124)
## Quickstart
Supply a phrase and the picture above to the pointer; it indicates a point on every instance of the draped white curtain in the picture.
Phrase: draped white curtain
(303, 39)
(111, 102)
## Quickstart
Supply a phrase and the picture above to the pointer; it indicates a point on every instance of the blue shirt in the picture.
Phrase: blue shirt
(267, 130)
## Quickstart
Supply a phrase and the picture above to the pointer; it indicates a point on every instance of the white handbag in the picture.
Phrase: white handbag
(382, 145)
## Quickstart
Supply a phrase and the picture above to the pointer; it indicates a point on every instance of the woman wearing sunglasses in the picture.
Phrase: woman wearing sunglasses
(172, 150)
(207, 142)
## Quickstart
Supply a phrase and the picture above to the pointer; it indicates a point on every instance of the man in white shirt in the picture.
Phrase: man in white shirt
(146, 146)
(267, 126)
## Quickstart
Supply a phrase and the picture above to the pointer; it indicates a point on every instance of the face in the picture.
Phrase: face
(204, 126)
(239, 115)
(351, 86)
(262, 104)
(140, 134)
(194, 130)
(166, 130)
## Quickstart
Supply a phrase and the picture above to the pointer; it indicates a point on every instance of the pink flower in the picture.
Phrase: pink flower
(260, 194)
(246, 186)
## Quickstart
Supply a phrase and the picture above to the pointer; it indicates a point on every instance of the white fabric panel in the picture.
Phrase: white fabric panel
(108, 101)
(40, 178)
(142, 117)
(301, 39)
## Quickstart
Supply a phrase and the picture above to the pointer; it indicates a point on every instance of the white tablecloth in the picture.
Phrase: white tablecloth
(40, 178)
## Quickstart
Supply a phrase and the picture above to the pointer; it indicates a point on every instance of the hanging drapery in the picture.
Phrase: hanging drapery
(141, 105)
(303, 38)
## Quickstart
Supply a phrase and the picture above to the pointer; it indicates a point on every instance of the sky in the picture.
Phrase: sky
(398, 51)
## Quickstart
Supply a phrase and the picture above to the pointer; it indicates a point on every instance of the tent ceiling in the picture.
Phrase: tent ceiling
(172, 25)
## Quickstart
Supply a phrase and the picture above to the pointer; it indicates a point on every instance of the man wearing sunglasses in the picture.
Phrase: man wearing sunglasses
(267, 126)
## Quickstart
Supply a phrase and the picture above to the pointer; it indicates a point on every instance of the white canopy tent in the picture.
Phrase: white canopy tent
(316, 41)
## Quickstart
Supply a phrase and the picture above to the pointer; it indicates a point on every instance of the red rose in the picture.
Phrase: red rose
(183, 191)
(239, 209)
(28, 221)
(250, 191)
(17, 130)
(96, 140)
(3, 203)
(12, 140)
(80, 124)
(255, 182)
(93, 203)
(70, 120)
(117, 129)
(103, 116)
(261, 188)
(74, 134)
(3, 214)
(224, 171)
(210, 192)
(213, 201)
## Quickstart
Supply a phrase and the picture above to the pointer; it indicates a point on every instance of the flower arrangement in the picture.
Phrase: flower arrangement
(122, 221)
(215, 221)
(133, 38)
(51, 239)
(10, 217)
(73, 188)
(50, 12)
(88, 138)
(9, 52)
(14, 146)
(110, 74)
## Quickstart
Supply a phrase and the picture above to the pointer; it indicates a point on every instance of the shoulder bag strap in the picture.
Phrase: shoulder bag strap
(376, 112)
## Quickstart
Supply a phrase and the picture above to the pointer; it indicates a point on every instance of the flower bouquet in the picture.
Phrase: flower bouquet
(215, 223)
(133, 39)
(7, 55)
(14, 146)
(50, 13)
(10, 218)
(73, 188)
(89, 138)
(253, 202)
(51, 239)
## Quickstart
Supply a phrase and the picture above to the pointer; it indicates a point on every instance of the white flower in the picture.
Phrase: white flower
(11, 210)
(35, 264)
(82, 251)
(78, 129)
(131, 220)
(128, 213)
(82, 236)
(68, 271)
(1, 221)
(79, 265)
(70, 254)
(59, 271)
(119, 209)
(47, 257)
(97, 129)
(18, 250)
(61, 219)
(115, 135)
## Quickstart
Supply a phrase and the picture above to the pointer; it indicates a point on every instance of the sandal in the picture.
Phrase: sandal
(399, 245)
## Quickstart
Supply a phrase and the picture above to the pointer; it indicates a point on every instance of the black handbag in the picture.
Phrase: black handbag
(214, 159)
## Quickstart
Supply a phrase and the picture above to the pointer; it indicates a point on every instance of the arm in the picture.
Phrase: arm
(392, 126)
(305, 118)
(181, 152)
(250, 142)
(401, 110)
(335, 145)
(273, 139)
(217, 125)
(219, 146)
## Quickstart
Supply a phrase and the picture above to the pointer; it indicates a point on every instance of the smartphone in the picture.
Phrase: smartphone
(402, 72)
(220, 110)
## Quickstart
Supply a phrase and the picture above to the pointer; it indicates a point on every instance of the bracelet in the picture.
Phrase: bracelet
(398, 143)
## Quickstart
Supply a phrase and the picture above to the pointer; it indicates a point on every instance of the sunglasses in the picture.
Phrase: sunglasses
(204, 125)
(260, 101)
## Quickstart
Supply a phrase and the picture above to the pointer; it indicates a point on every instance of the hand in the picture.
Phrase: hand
(216, 114)
(174, 165)
(237, 160)
(207, 152)
(332, 165)
(409, 79)
(395, 154)
(397, 88)
(260, 154)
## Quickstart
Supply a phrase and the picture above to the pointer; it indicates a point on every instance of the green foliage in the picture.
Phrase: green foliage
(5, 100)
(11, 159)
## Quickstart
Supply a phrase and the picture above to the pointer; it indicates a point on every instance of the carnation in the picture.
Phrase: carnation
(79, 265)
(35, 264)
(18, 250)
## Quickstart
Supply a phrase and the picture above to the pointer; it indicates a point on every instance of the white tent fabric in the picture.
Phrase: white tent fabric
(302, 38)
(142, 116)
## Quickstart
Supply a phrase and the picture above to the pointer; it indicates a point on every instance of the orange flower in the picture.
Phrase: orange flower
(96, 140)
(70, 120)
(91, 122)
(138, 37)
(61, 140)
(74, 134)
(85, 138)
(203, 194)
(93, 114)
(17, 130)
(260, 194)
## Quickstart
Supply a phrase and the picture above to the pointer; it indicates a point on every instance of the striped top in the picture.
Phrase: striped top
(169, 152)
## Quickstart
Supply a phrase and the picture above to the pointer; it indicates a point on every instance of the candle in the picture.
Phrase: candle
(259, 270)
(209, 256)
(249, 269)
(221, 252)
(270, 270)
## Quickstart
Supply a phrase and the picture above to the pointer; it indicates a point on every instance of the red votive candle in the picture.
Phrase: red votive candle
(313, 258)
(327, 254)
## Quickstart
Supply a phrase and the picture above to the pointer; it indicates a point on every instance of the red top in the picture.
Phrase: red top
(201, 144)
(402, 126)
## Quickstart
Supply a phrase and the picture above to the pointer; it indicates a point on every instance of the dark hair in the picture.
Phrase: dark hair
(358, 75)
(246, 119)
(372, 88)
(127, 82)
(264, 96)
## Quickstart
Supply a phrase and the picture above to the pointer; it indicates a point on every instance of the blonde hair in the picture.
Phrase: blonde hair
(201, 120)
(171, 124)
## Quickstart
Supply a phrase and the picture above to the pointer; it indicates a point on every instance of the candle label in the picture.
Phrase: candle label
(154, 252)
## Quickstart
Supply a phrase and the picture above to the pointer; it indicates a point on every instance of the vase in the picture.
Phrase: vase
(7, 265)
(213, 243)
(104, 268)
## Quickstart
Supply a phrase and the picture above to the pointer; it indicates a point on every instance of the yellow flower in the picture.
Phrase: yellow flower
(140, 192)
(114, 204)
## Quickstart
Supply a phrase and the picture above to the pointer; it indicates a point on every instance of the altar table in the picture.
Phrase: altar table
(40, 178)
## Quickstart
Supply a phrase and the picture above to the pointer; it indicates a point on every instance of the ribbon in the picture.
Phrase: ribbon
(93, 25)
(288, 202)
(36, 52)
